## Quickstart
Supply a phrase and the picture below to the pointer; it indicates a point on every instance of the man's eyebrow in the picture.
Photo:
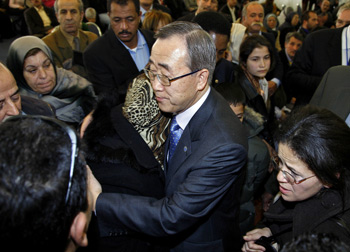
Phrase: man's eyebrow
(165, 66)
(14, 93)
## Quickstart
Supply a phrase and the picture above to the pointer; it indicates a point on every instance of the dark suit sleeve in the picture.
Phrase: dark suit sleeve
(299, 76)
(277, 72)
(99, 72)
(204, 186)
(33, 26)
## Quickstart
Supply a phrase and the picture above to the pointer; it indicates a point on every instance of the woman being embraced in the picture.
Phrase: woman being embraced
(313, 165)
(31, 62)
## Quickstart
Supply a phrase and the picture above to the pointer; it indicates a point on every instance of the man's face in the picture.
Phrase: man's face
(343, 19)
(36, 3)
(146, 3)
(312, 22)
(204, 5)
(169, 57)
(254, 19)
(10, 100)
(325, 6)
(125, 22)
(220, 41)
(69, 16)
(292, 46)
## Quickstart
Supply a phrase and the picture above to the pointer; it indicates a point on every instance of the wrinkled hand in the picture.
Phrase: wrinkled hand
(86, 121)
(272, 87)
(252, 236)
(94, 187)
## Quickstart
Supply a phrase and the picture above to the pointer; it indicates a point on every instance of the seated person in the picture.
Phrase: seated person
(40, 19)
(125, 152)
(68, 41)
(12, 103)
(313, 174)
(45, 199)
(31, 62)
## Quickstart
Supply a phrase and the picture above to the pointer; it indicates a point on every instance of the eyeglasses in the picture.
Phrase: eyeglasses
(278, 164)
(164, 80)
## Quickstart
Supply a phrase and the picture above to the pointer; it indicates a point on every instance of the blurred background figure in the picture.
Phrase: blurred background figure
(271, 25)
(156, 19)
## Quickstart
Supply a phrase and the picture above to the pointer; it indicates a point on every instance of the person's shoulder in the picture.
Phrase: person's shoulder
(90, 35)
(52, 36)
(32, 106)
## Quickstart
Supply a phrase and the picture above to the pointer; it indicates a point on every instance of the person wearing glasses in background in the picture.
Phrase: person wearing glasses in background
(313, 175)
(204, 170)
(45, 203)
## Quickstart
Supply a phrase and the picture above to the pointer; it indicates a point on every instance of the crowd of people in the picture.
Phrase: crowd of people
(175, 126)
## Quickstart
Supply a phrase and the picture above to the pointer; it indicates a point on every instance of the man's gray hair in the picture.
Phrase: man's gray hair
(342, 8)
(200, 46)
(80, 2)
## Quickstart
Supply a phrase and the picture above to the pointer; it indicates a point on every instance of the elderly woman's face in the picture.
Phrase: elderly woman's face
(297, 170)
(39, 73)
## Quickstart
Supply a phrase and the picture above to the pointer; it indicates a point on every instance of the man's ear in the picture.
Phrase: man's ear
(203, 79)
(78, 229)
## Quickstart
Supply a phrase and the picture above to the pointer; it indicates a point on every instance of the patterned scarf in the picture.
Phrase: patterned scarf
(141, 110)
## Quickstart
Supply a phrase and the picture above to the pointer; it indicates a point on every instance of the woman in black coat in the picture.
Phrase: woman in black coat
(125, 153)
(313, 165)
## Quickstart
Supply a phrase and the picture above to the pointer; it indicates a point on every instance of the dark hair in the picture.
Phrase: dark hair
(321, 140)
(232, 93)
(250, 43)
(306, 15)
(296, 35)
(200, 46)
(123, 3)
(212, 21)
(35, 156)
(320, 242)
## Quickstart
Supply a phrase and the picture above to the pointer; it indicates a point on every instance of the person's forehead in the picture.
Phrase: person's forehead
(255, 8)
(7, 83)
(344, 14)
(169, 53)
(68, 4)
(127, 8)
(295, 40)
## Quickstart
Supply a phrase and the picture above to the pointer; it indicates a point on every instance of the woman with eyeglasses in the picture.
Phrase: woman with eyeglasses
(314, 182)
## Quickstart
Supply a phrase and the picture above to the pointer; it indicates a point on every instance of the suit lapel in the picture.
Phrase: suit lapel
(191, 137)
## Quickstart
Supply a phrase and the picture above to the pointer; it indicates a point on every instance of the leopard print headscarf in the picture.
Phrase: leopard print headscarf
(141, 110)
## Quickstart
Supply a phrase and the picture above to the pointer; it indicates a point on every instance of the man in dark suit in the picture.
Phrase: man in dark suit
(40, 19)
(203, 173)
(230, 10)
(320, 51)
(218, 27)
(203, 5)
(114, 59)
(293, 42)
